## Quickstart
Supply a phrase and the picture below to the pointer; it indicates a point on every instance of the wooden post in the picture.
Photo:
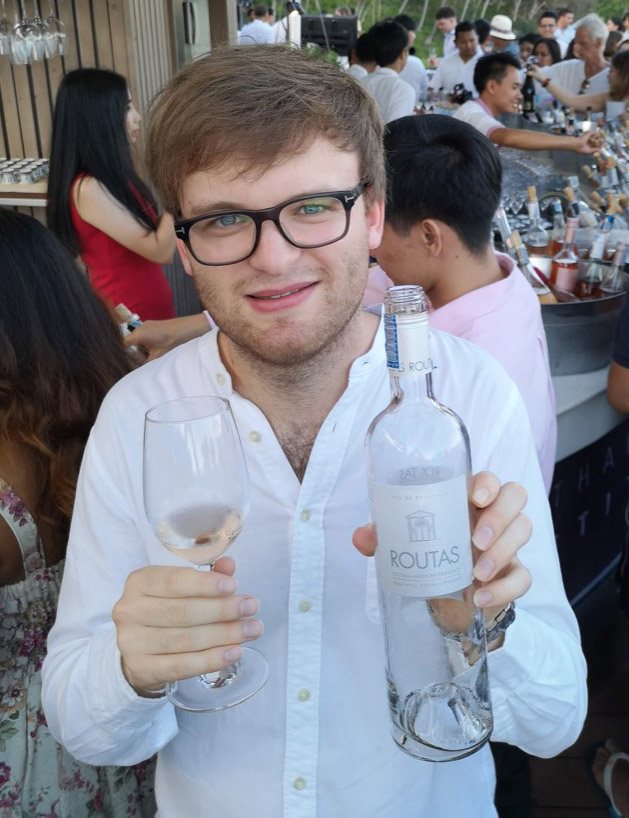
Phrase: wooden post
(223, 21)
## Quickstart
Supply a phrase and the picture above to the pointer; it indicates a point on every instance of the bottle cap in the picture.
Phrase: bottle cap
(532, 193)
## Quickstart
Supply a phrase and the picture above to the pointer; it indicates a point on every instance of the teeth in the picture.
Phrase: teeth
(273, 297)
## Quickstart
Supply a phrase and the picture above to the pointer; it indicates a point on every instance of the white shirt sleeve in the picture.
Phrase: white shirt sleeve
(401, 102)
(474, 115)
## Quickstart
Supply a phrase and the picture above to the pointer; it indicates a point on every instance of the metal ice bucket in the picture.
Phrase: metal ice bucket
(580, 334)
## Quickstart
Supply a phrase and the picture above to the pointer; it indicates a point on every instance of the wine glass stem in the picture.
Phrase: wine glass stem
(225, 676)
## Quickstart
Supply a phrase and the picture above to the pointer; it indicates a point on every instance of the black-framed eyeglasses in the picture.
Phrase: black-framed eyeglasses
(230, 236)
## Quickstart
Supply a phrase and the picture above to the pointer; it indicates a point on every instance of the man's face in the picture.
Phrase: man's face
(467, 43)
(565, 20)
(546, 27)
(446, 24)
(526, 49)
(284, 304)
(585, 48)
(506, 95)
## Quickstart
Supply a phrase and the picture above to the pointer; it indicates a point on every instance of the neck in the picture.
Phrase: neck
(296, 398)
(465, 272)
(490, 104)
(595, 65)
(396, 66)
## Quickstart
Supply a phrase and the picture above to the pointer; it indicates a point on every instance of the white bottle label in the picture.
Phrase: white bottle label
(423, 538)
(408, 344)
(534, 210)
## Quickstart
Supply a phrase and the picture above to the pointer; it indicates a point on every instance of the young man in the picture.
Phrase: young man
(436, 234)
(361, 59)
(589, 72)
(565, 29)
(446, 23)
(304, 369)
(393, 96)
(413, 72)
(459, 67)
(547, 27)
(259, 30)
(497, 80)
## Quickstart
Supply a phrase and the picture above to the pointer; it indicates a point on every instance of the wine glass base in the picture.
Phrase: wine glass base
(198, 697)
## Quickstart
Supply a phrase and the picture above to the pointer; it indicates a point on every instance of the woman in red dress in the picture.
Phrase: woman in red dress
(97, 204)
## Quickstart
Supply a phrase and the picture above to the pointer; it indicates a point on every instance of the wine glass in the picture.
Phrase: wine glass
(196, 498)
(5, 31)
(55, 36)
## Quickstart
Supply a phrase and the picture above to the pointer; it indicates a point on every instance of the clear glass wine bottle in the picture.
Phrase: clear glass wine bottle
(419, 474)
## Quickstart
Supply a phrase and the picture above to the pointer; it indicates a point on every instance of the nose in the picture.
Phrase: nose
(273, 254)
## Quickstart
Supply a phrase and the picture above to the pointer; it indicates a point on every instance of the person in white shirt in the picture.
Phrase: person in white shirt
(361, 59)
(459, 67)
(589, 72)
(547, 27)
(304, 369)
(258, 31)
(413, 72)
(565, 30)
(497, 80)
(446, 23)
(394, 97)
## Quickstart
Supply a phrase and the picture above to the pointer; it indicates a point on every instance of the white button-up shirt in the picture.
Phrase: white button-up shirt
(394, 97)
(452, 70)
(315, 741)
(415, 74)
(257, 32)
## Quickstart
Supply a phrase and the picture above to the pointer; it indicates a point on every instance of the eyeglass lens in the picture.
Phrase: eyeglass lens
(231, 237)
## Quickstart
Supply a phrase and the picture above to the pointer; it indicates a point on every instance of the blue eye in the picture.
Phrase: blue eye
(227, 220)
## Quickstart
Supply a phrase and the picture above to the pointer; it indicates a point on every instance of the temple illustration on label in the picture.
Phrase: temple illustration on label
(421, 526)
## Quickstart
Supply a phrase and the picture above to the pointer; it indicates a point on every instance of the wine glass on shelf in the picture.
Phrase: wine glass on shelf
(55, 36)
(5, 31)
(196, 498)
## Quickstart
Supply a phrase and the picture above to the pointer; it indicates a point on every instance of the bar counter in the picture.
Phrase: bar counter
(32, 195)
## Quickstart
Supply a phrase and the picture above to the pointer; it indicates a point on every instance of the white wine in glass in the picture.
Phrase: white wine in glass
(196, 497)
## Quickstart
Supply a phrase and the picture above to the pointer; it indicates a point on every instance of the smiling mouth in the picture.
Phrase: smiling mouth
(279, 295)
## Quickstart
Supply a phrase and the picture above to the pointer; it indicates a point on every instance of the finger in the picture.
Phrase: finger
(158, 612)
(495, 560)
(166, 581)
(495, 518)
(484, 489)
(365, 539)
(166, 641)
(175, 667)
(499, 593)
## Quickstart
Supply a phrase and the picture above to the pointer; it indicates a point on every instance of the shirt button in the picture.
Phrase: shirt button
(299, 783)
(220, 378)
(304, 606)
(303, 695)
(305, 515)
(254, 437)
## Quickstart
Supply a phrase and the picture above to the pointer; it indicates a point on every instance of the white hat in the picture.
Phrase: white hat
(501, 27)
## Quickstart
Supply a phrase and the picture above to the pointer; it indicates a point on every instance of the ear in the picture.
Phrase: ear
(183, 255)
(375, 222)
(427, 236)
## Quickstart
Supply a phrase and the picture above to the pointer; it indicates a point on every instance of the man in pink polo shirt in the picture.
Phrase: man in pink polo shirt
(443, 189)
(497, 80)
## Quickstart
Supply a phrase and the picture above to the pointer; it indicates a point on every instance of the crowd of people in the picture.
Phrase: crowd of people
(295, 343)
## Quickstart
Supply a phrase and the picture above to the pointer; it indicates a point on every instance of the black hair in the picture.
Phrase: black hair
(547, 13)
(531, 37)
(441, 168)
(561, 12)
(445, 13)
(388, 41)
(553, 47)
(617, 21)
(260, 10)
(461, 28)
(406, 21)
(89, 136)
(364, 48)
(483, 28)
(493, 67)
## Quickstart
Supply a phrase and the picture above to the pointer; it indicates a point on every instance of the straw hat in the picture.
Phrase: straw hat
(501, 27)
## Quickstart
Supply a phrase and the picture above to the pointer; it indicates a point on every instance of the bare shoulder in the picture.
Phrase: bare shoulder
(91, 195)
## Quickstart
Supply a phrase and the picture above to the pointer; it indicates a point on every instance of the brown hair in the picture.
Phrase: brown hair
(620, 61)
(60, 352)
(257, 105)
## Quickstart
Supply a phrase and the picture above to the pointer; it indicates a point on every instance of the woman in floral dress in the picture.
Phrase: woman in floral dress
(60, 352)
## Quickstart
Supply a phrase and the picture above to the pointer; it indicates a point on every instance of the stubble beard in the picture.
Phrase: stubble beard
(288, 344)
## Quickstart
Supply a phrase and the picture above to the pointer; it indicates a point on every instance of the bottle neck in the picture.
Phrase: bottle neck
(411, 388)
(408, 346)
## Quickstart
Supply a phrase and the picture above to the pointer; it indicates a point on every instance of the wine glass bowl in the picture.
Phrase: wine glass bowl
(196, 498)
